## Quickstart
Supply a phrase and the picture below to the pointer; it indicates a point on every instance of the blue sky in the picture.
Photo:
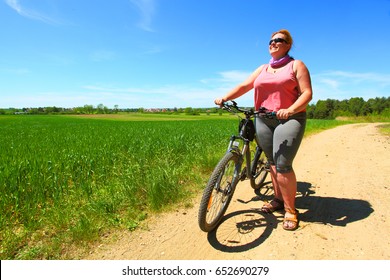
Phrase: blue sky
(183, 53)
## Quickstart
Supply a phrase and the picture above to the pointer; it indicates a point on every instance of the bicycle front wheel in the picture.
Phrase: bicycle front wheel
(219, 191)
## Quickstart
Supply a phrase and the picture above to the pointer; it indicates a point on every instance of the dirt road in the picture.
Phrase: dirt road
(343, 197)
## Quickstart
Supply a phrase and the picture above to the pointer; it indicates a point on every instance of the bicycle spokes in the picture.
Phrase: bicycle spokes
(216, 203)
(221, 192)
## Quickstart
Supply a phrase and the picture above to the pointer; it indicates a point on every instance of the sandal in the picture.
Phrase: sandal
(291, 223)
(272, 206)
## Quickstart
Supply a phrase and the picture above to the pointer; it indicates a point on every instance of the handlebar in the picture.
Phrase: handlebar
(263, 112)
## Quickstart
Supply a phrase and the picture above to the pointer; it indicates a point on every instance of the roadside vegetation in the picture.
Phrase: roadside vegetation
(67, 181)
(378, 107)
(385, 129)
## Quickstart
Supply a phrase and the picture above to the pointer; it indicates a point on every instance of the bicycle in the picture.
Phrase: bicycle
(229, 171)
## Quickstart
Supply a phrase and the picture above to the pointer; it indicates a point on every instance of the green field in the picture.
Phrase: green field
(66, 181)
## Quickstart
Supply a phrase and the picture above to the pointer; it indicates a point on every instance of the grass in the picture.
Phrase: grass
(385, 129)
(315, 126)
(157, 117)
(69, 180)
(66, 181)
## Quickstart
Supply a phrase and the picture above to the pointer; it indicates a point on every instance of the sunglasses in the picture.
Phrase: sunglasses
(277, 40)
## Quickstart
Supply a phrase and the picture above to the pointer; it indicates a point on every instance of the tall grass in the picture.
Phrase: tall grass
(66, 181)
(314, 126)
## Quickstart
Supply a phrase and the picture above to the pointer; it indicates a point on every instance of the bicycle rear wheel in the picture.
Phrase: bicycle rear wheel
(260, 174)
(260, 170)
(219, 191)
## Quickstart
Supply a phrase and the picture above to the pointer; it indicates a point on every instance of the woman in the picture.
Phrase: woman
(283, 86)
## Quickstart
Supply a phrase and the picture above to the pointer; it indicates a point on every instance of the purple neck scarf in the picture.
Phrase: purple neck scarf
(280, 62)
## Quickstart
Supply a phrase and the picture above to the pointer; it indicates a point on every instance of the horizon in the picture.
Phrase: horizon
(169, 108)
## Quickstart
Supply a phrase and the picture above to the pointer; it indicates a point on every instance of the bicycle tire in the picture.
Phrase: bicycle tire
(219, 191)
(260, 173)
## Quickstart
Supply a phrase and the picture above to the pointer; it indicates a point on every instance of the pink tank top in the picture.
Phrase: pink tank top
(278, 90)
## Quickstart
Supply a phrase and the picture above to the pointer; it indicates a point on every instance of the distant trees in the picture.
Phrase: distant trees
(356, 106)
(323, 109)
(192, 111)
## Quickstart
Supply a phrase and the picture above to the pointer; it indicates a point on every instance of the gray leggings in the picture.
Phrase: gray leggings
(280, 139)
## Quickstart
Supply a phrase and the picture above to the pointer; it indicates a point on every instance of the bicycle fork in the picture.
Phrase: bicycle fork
(243, 153)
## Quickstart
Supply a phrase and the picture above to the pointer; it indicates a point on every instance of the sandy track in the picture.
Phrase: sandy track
(343, 197)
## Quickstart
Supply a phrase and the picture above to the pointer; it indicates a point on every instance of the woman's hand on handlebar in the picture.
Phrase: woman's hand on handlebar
(219, 101)
(284, 114)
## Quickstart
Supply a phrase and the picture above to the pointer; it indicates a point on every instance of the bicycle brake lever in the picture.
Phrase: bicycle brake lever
(272, 114)
(267, 113)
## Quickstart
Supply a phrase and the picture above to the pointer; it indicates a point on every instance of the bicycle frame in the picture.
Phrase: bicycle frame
(245, 152)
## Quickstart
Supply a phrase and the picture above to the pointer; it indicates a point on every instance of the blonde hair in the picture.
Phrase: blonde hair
(287, 35)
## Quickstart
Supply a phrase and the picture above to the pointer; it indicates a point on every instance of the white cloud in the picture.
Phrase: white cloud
(147, 9)
(153, 50)
(102, 55)
(333, 85)
(344, 85)
(29, 13)
(329, 82)
(234, 76)
(362, 77)
(228, 78)
(178, 95)
(15, 71)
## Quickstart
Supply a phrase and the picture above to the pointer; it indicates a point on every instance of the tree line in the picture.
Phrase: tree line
(322, 109)
(353, 107)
